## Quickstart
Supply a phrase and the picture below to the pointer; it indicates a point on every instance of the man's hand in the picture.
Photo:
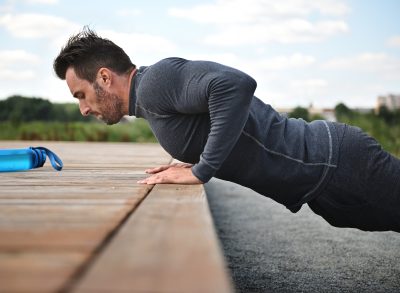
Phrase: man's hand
(178, 173)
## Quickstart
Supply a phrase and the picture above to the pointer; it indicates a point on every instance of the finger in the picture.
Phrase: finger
(182, 165)
(144, 181)
(157, 169)
(151, 180)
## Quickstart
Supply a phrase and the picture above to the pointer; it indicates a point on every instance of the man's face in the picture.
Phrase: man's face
(94, 99)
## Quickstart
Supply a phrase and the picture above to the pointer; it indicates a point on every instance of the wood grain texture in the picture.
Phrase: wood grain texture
(167, 245)
(25, 271)
(52, 223)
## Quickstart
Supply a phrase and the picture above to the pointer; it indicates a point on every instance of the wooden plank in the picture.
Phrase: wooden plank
(57, 226)
(62, 238)
(167, 245)
(51, 223)
(61, 213)
(83, 192)
(72, 177)
(37, 271)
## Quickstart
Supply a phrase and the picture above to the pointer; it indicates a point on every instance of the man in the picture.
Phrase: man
(205, 114)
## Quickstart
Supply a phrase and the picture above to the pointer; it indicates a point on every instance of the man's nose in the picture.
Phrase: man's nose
(85, 110)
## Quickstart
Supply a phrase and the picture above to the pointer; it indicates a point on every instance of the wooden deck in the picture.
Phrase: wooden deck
(92, 228)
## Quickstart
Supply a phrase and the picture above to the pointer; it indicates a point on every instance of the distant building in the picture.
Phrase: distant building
(391, 102)
(326, 113)
(284, 111)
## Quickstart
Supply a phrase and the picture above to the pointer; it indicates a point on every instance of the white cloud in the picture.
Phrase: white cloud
(57, 90)
(249, 11)
(380, 63)
(14, 63)
(129, 12)
(16, 75)
(309, 83)
(10, 57)
(5, 7)
(283, 62)
(329, 7)
(133, 43)
(9, 6)
(394, 42)
(41, 1)
(287, 31)
(240, 22)
(33, 25)
(290, 31)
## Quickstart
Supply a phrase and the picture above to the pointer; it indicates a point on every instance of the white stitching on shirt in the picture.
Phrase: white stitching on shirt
(330, 141)
(155, 114)
(290, 158)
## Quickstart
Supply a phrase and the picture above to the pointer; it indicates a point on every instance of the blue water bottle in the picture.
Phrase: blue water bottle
(29, 158)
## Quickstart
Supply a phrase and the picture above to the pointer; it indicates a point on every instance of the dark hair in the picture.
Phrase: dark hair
(86, 52)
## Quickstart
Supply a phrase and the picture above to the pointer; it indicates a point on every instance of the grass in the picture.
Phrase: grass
(135, 131)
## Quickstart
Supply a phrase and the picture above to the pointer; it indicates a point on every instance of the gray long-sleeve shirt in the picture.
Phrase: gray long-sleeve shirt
(205, 113)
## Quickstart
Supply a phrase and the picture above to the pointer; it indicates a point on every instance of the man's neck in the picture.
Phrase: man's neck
(127, 89)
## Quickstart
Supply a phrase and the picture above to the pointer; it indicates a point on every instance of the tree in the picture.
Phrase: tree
(385, 114)
(300, 112)
(341, 110)
(25, 109)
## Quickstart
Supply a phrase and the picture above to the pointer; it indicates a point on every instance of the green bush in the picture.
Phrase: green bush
(136, 131)
(25, 109)
(380, 127)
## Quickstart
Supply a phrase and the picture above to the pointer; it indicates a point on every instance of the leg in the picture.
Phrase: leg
(364, 191)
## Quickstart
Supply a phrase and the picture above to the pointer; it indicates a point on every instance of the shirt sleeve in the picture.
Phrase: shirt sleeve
(229, 96)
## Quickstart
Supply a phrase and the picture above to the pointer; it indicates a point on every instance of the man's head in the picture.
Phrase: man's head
(94, 69)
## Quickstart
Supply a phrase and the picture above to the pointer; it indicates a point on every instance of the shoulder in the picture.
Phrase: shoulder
(177, 63)
(165, 69)
(160, 83)
(168, 64)
(175, 72)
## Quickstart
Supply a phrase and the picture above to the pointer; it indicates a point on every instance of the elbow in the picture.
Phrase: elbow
(252, 84)
(247, 86)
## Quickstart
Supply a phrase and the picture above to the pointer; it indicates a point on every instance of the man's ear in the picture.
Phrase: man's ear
(104, 76)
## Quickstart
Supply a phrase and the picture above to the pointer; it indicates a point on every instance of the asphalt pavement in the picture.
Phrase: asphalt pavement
(270, 249)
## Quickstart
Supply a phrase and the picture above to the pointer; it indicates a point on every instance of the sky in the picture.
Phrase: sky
(300, 52)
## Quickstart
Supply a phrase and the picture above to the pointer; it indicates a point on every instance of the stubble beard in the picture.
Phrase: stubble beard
(110, 105)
